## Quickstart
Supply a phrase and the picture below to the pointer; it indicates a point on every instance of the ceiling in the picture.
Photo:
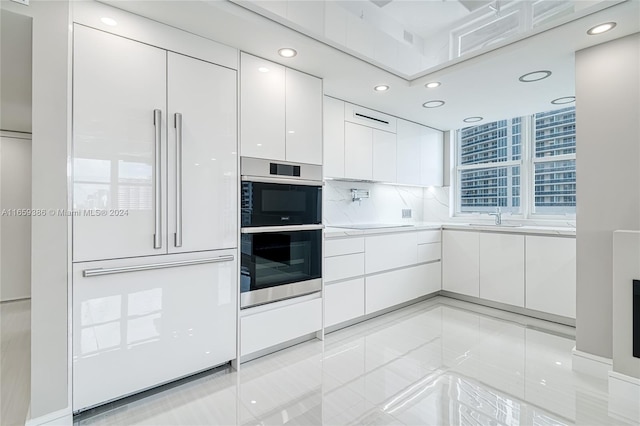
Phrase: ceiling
(485, 84)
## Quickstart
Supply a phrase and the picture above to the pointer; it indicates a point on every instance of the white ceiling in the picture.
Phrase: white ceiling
(486, 85)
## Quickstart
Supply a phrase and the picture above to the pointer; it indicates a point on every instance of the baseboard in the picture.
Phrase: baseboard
(624, 397)
(57, 418)
(592, 365)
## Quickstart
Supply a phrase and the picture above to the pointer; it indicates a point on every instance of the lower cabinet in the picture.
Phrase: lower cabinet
(502, 268)
(551, 275)
(343, 301)
(461, 262)
(392, 288)
(141, 322)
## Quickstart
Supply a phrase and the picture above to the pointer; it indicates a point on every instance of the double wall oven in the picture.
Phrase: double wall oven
(281, 230)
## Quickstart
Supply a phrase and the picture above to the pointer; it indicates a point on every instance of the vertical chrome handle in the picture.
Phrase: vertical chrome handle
(157, 183)
(178, 125)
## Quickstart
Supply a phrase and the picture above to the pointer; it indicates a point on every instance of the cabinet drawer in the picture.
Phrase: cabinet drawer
(343, 246)
(343, 301)
(269, 328)
(390, 251)
(395, 287)
(429, 252)
(341, 267)
(425, 237)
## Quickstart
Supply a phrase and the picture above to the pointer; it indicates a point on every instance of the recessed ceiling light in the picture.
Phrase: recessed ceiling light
(263, 69)
(109, 21)
(534, 76)
(381, 88)
(287, 52)
(601, 28)
(564, 100)
(433, 104)
(472, 119)
(432, 85)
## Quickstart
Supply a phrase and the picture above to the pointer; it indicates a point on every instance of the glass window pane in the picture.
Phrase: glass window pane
(555, 187)
(482, 190)
(488, 143)
(555, 132)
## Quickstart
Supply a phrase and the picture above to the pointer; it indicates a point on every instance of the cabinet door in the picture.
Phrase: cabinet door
(117, 85)
(408, 153)
(399, 286)
(202, 155)
(262, 108)
(431, 156)
(461, 262)
(384, 156)
(137, 329)
(358, 151)
(303, 122)
(343, 301)
(390, 251)
(502, 268)
(333, 160)
(551, 275)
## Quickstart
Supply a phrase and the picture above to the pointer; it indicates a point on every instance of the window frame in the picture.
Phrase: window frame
(527, 164)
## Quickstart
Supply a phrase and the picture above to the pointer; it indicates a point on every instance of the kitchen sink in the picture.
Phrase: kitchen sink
(493, 225)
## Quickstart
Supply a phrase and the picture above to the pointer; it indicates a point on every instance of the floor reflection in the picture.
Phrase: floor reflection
(438, 362)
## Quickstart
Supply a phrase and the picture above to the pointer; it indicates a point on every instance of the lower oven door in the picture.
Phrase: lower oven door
(279, 265)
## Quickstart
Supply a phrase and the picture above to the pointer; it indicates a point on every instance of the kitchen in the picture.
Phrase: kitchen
(419, 248)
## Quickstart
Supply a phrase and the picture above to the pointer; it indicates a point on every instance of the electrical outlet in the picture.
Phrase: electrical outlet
(25, 2)
(406, 213)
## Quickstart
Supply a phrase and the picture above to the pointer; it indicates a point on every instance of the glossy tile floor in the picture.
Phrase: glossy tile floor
(15, 368)
(438, 362)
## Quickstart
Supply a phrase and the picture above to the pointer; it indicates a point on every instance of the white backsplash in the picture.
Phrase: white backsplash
(436, 204)
(384, 205)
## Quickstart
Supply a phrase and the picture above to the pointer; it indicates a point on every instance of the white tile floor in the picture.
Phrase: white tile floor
(439, 362)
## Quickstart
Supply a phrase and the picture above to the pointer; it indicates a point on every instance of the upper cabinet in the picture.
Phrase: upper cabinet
(154, 150)
(367, 145)
(419, 155)
(281, 112)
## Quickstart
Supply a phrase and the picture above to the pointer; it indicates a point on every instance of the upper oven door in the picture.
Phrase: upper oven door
(272, 204)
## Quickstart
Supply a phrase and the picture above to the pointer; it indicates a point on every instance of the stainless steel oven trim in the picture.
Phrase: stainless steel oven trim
(259, 167)
(280, 292)
(279, 228)
(282, 180)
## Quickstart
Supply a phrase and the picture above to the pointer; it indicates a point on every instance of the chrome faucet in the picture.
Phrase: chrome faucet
(498, 215)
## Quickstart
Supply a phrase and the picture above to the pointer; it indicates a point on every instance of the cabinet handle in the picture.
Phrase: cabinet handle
(123, 269)
(157, 184)
(178, 125)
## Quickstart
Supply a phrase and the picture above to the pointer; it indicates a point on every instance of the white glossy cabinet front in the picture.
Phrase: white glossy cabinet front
(114, 145)
(204, 94)
(551, 275)
(502, 268)
(136, 330)
(358, 151)
(409, 152)
(461, 262)
(384, 156)
(127, 163)
(402, 285)
(303, 117)
(390, 251)
(262, 108)
(333, 136)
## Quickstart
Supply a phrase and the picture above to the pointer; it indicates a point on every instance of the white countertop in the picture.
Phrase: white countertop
(339, 232)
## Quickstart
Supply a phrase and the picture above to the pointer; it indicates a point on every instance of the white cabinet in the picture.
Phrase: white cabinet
(140, 191)
(551, 275)
(343, 301)
(461, 262)
(390, 251)
(137, 324)
(333, 138)
(281, 112)
(419, 155)
(502, 268)
(358, 151)
(384, 156)
(343, 297)
(402, 285)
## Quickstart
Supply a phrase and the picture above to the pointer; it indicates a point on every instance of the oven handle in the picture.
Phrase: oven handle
(286, 181)
(292, 228)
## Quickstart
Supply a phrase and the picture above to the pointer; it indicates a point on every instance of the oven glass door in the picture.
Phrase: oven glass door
(276, 265)
(273, 204)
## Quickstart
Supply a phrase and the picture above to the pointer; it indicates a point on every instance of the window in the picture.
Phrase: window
(524, 165)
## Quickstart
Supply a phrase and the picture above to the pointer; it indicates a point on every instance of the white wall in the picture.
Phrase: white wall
(49, 255)
(608, 178)
(15, 72)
